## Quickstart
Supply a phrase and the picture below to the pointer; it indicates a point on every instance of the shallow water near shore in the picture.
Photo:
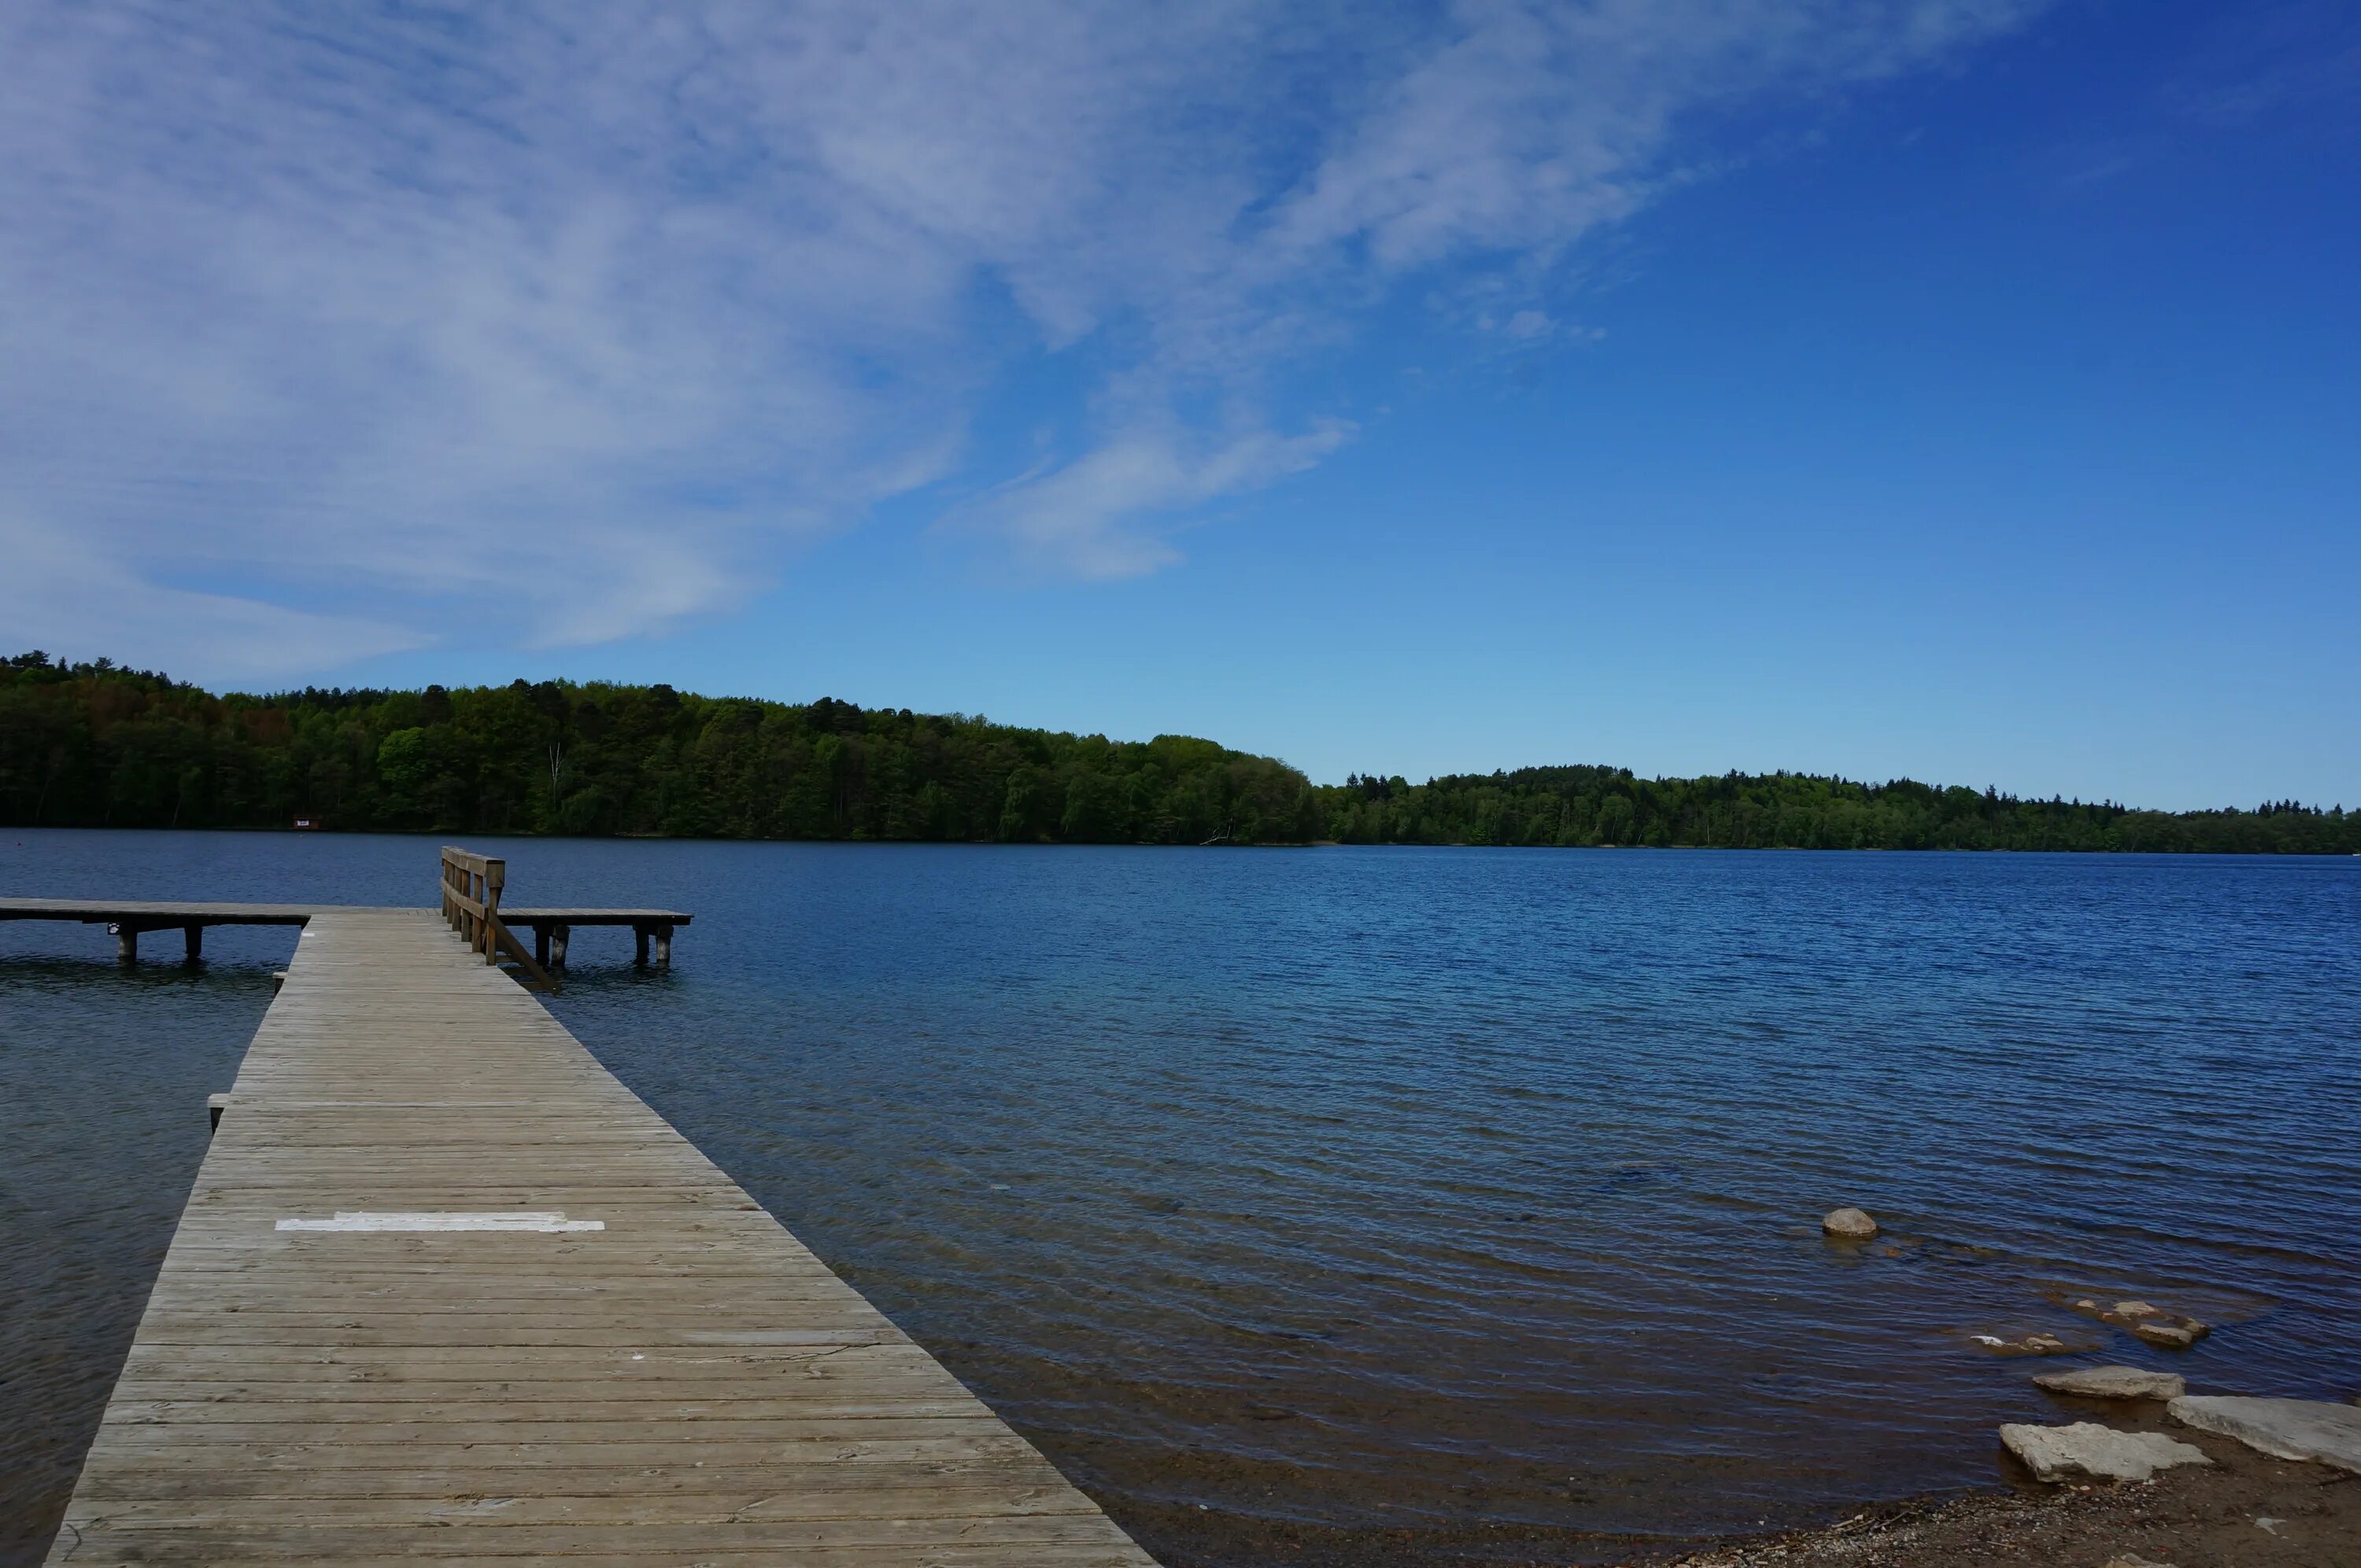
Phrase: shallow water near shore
(1412, 1205)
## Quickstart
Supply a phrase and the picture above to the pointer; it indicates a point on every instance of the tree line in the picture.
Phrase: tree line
(96, 745)
(1592, 806)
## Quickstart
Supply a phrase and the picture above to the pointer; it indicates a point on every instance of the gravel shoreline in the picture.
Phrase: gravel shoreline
(2192, 1517)
(2208, 1516)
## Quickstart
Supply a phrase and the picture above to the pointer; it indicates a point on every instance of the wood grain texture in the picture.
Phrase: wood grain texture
(688, 1384)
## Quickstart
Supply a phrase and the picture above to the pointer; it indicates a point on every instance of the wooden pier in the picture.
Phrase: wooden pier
(445, 1288)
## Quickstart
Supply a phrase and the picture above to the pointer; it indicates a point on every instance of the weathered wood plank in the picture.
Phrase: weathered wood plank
(167, 1444)
(358, 1407)
(990, 1543)
(686, 1383)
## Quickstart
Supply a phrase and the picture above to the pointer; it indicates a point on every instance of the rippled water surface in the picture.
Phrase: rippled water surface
(1388, 1204)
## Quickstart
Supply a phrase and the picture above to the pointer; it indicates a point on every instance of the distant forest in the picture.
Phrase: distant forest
(95, 745)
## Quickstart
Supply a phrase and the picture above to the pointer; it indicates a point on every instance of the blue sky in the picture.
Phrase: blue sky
(1957, 389)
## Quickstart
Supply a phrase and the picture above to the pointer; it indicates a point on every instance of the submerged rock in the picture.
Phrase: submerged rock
(2148, 1321)
(2127, 1314)
(2086, 1448)
(2114, 1383)
(2315, 1430)
(2031, 1345)
(1852, 1224)
(2172, 1334)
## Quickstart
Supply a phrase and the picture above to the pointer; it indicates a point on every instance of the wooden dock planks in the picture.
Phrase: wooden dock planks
(687, 1384)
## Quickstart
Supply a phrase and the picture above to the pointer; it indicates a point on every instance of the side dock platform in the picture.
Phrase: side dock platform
(446, 1289)
(128, 920)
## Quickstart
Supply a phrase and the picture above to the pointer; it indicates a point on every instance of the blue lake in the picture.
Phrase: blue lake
(1455, 1205)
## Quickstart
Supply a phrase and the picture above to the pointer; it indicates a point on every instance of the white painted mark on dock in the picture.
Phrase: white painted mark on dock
(546, 1223)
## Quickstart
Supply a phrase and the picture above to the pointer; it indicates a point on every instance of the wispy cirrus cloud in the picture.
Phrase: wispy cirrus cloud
(1094, 516)
(583, 313)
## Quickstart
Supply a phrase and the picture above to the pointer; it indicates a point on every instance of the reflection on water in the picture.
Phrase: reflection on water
(1438, 1205)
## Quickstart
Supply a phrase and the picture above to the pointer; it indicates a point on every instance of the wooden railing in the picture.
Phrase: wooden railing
(471, 905)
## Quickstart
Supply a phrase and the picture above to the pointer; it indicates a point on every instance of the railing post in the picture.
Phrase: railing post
(495, 876)
(472, 886)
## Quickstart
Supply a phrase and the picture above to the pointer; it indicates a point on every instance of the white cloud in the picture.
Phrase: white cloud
(1097, 516)
(569, 316)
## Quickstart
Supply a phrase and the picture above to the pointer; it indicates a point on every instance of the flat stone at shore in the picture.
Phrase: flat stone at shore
(2315, 1430)
(2087, 1448)
(2114, 1383)
(2192, 1515)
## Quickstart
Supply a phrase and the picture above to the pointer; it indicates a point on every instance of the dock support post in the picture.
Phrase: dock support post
(664, 947)
(639, 946)
(278, 981)
(558, 937)
(541, 946)
(194, 935)
(215, 1105)
(126, 944)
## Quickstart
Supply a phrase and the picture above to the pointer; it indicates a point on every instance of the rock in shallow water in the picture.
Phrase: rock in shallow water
(2030, 1345)
(2286, 1429)
(1852, 1224)
(2114, 1383)
(2175, 1334)
(2086, 1448)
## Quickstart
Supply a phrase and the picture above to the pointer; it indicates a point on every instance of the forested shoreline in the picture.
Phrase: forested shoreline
(95, 745)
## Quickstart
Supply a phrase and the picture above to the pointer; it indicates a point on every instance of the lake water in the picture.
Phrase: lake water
(1404, 1205)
